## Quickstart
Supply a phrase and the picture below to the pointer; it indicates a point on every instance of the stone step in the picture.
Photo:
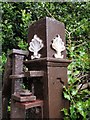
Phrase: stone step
(28, 74)
(27, 105)
(27, 98)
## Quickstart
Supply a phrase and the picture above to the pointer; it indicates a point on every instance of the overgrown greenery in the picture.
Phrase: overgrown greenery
(16, 17)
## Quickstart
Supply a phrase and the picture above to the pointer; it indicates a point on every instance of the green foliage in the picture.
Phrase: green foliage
(78, 77)
(79, 105)
(23, 45)
(16, 18)
(3, 60)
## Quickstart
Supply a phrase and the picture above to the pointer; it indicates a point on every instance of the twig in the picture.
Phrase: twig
(82, 76)
(67, 31)
(77, 28)
(49, 13)
(80, 44)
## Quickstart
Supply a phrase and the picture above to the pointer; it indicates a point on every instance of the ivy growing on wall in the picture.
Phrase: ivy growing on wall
(17, 16)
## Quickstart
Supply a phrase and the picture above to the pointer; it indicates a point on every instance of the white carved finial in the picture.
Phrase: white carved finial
(58, 45)
(35, 46)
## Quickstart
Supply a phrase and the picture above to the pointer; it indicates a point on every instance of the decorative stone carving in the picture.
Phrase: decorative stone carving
(35, 46)
(58, 46)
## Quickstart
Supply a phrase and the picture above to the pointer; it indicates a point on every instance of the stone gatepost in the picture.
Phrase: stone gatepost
(46, 38)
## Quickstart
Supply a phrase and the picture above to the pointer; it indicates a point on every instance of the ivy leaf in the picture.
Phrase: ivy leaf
(73, 112)
(65, 111)
(66, 96)
(80, 108)
(23, 45)
(74, 92)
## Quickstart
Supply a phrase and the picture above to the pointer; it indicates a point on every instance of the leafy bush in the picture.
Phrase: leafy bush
(16, 17)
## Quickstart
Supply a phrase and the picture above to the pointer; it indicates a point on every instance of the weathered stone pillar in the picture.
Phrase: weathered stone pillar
(49, 34)
(17, 68)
